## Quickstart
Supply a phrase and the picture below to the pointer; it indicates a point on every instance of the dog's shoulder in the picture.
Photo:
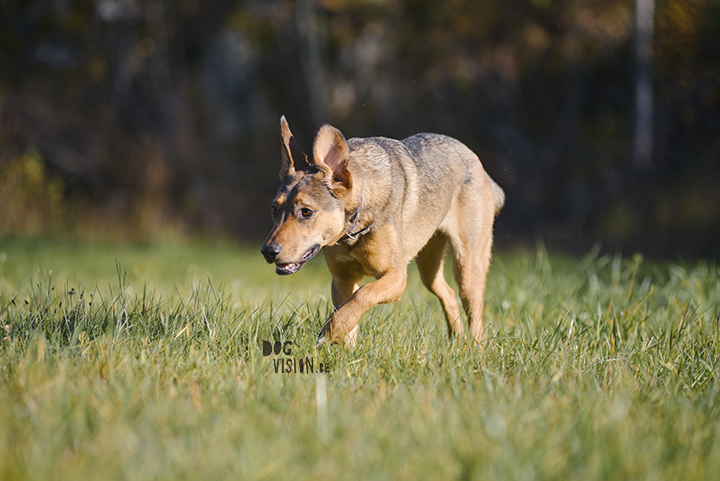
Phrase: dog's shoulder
(376, 146)
(379, 153)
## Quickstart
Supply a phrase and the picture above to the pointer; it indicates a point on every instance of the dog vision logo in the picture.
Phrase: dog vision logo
(287, 363)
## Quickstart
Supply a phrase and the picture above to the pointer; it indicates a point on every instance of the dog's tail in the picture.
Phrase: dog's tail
(498, 196)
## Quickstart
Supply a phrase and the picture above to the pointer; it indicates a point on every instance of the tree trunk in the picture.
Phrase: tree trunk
(644, 91)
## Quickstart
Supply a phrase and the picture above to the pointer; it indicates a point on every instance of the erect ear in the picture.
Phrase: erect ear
(330, 154)
(292, 156)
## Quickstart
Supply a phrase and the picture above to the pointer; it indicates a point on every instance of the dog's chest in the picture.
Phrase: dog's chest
(352, 260)
(344, 259)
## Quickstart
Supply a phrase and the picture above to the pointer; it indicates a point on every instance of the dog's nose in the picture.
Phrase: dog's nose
(270, 251)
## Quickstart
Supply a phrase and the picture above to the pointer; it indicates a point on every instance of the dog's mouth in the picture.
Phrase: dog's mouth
(293, 267)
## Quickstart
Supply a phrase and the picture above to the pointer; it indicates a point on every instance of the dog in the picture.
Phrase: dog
(373, 205)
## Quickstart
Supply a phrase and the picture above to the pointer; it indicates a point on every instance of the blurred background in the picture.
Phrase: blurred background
(140, 119)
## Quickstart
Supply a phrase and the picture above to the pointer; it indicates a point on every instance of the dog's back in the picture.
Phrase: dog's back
(429, 156)
(418, 179)
(431, 153)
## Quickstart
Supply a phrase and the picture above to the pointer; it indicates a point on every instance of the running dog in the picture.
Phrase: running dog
(374, 204)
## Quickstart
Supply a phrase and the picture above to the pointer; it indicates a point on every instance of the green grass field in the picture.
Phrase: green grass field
(146, 362)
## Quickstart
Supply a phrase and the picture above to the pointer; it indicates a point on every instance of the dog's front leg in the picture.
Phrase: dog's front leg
(343, 323)
(342, 290)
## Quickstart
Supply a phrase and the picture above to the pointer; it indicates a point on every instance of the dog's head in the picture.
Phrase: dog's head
(309, 208)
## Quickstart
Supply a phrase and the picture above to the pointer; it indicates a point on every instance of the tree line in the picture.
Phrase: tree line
(138, 117)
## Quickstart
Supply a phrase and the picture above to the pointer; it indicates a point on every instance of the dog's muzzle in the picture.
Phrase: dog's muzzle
(272, 251)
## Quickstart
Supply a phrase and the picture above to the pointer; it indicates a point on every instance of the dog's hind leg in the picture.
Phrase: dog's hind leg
(470, 266)
(430, 262)
(471, 239)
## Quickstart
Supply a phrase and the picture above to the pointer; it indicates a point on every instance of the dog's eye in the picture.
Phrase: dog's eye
(306, 213)
(274, 210)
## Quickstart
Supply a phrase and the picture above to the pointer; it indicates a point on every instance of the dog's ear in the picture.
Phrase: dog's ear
(330, 154)
(292, 156)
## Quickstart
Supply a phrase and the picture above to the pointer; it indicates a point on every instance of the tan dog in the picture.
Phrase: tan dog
(375, 204)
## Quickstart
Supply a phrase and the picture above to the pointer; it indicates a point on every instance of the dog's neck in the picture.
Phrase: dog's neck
(351, 234)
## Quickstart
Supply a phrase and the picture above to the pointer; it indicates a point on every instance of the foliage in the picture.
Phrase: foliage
(31, 200)
(166, 113)
(146, 362)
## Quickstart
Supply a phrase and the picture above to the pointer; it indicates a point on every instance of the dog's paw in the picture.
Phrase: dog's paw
(325, 335)
(322, 340)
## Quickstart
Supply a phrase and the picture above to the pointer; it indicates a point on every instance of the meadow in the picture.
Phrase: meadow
(146, 362)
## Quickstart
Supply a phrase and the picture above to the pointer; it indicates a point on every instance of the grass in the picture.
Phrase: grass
(146, 362)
